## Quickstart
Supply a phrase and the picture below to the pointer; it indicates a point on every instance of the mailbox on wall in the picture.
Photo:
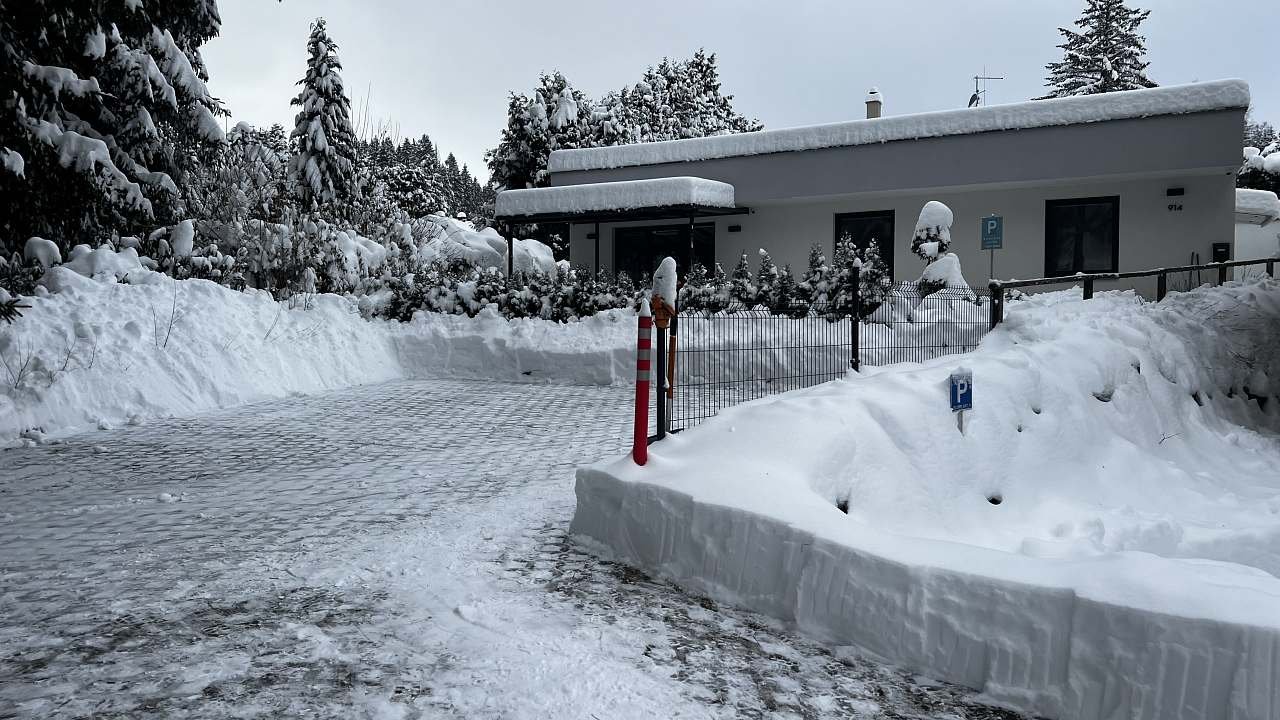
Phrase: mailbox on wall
(1221, 252)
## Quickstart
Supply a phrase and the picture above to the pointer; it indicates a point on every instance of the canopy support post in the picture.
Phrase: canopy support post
(595, 269)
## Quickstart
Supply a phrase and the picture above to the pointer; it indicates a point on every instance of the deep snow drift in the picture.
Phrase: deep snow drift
(1102, 541)
(91, 351)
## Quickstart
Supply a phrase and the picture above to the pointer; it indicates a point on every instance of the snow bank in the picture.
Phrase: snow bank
(449, 239)
(625, 195)
(1103, 541)
(94, 352)
(1168, 100)
(1260, 203)
(599, 350)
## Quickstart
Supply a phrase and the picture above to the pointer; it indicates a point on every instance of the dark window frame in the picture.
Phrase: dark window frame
(893, 221)
(678, 227)
(1078, 260)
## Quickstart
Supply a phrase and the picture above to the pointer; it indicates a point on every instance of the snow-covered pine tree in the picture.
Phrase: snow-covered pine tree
(874, 281)
(1261, 135)
(767, 280)
(1106, 55)
(742, 288)
(1260, 171)
(815, 287)
(786, 297)
(841, 299)
(555, 117)
(323, 168)
(719, 291)
(103, 112)
(692, 294)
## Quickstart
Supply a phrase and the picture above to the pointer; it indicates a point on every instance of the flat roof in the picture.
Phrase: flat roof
(1258, 207)
(629, 199)
(1083, 109)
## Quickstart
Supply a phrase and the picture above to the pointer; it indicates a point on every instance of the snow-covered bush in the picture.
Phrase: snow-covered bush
(932, 238)
(1261, 168)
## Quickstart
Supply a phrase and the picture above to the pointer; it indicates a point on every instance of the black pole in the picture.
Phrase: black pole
(997, 304)
(660, 350)
(855, 359)
(1088, 289)
(1162, 286)
(595, 271)
(691, 251)
(511, 251)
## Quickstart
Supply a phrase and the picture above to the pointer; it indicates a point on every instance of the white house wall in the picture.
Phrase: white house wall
(1151, 235)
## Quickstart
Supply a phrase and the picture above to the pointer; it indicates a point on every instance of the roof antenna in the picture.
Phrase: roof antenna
(976, 98)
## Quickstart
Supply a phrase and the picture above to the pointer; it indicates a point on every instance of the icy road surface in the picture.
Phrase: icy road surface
(388, 551)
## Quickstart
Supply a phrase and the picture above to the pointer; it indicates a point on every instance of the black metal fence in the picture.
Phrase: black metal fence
(741, 354)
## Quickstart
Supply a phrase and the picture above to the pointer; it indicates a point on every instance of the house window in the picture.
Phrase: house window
(1081, 236)
(638, 250)
(863, 227)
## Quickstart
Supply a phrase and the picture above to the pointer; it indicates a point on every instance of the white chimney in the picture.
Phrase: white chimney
(874, 103)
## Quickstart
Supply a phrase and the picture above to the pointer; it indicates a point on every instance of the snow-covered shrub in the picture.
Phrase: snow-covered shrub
(818, 282)
(742, 287)
(932, 238)
(1261, 169)
(767, 279)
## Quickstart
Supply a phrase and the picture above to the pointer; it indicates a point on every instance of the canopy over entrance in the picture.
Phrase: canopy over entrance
(656, 199)
(683, 198)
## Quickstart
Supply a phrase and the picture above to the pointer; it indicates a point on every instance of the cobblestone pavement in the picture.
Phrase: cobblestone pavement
(395, 551)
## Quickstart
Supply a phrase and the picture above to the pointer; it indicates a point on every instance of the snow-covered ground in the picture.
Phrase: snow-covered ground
(394, 551)
(1102, 540)
(100, 353)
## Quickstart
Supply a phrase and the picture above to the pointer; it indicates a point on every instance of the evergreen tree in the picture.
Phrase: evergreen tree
(786, 298)
(719, 292)
(693, 294)
(874, 281)
(1260, 171)
(742, 290)
(103, 112)
(1261, 135)
(767, 280)
(1106, 55)
(323, 168)
(816, 285)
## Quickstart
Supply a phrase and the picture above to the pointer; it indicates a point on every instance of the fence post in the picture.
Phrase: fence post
(855, 358)
(1162, 286)
(997, 303)
(1271, 268)
(644, 348)
(1088, 289)
(662, 315)
(1222, 274)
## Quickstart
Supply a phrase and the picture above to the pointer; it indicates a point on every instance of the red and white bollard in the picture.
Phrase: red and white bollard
(644, 354)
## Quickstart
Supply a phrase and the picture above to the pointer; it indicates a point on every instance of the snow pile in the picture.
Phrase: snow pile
(599, 350)
(1255, 159)
(91, 351)
(1261, 203)
(1168, 100)
(625, 195)
(444, 238)
(1102, 540)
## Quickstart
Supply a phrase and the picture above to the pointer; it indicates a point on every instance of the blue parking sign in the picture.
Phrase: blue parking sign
(961, 390)
(992, 232)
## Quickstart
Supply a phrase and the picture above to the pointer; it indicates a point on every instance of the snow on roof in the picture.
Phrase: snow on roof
(627, 195)
(1170, 100)
(1263, 204)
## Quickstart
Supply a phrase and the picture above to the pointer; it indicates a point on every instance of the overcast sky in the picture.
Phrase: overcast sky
(445, 68)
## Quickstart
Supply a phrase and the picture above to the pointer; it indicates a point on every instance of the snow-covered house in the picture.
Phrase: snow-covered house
(1113, 182)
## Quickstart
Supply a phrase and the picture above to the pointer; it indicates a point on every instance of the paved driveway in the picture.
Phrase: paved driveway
(392, 551)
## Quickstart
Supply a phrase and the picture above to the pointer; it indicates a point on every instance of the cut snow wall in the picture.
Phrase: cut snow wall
(1042, 649)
